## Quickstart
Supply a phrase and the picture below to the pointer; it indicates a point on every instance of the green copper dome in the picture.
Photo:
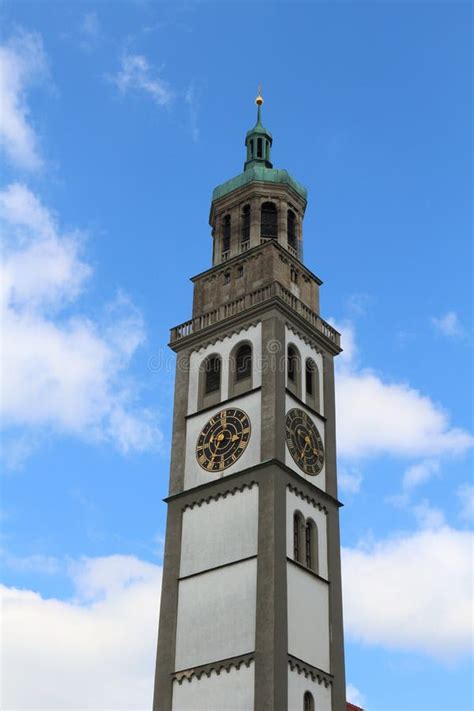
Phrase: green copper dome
(258, 167)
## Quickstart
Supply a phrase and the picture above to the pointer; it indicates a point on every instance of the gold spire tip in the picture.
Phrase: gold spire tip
(259, 98)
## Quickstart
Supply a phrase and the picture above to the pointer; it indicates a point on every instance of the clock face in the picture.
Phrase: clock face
(304, 441)
(223, 439)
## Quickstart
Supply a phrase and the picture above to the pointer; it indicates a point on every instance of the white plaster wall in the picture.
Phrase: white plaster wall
(307, 352)
(308, 617)
(194, 474)
(226, 691)
(320, 479)
(216, 615)
(295, 503)
(219, 531)
(224, 348)
(298, 684)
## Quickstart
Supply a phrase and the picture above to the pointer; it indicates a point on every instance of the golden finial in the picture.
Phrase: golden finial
(259, 98)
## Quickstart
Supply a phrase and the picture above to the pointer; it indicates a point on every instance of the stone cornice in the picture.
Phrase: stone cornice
(309, 499)
(220, 495)
(216, 667)
(307, 670)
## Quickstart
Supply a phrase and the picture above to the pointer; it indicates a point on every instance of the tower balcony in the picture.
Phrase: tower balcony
(273, 291)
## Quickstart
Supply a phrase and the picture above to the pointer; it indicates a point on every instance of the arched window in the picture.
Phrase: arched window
(210, 381)
(226, 233)
(243, 362)
(240, 379)
(308, 701)
(298, 537)
(291, 230)
(312, 384)
(213, 374)
(311, 545)
(269, 221)
(245, 234)
(293, 369)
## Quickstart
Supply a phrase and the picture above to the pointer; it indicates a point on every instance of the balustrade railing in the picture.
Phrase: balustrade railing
(275, 289)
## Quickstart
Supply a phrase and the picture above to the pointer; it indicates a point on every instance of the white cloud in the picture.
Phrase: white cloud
(22, 64)
(69, 372)
(349, 481)
(90, 31)
(428, 517)
(449, 325)
(93, 651)
(354, 696)
(376, 417)
(419, 473)
(465, 495)
(136, 74)
(412, 592)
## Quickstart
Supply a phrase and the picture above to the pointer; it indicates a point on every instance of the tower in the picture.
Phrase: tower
(251, 612)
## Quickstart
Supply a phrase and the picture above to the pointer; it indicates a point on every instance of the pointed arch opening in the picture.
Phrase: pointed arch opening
(308, 701)
(291, 232)
(241, 369)
(311, 545)
(293, 369)
(298, 537)
(245, 229)
(312, 384)
(226, 230)
(210, 381)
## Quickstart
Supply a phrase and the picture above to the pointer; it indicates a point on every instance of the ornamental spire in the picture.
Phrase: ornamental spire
(258, 140)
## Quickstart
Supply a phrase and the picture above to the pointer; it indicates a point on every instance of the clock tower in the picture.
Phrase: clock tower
(251, 611)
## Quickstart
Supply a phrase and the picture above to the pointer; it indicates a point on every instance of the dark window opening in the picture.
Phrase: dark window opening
(245, 223)
(240, 272)
(291, 229)
(309, 377)
(292, 363)
(309, 545)
(308, 701)
(296, 537)
(226, 234)
(269, 221)
(213, 374)
(251, 147)
(259, 147)
(243, 362)
(227, 278)
(294, 276)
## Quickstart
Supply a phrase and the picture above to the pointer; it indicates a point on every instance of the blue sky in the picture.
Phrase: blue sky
(118, 121)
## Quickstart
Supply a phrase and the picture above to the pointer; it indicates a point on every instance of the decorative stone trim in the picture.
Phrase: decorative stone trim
(220, 495)
(217, 667)
(309, 341)
(307, 670)
(311, 500)
(225, 334)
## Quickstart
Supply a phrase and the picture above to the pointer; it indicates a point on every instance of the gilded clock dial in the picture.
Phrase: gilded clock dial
(304, 441)
(223, 439)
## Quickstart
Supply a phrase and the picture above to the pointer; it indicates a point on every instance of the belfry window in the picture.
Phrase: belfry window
(269, 221)
(240, 370)
(259, 148)
(245, 234)
(308, 701)
(226, 233)
(291, 229)
(292, 363)
(212, 375)
(298, 540)
(312, 384)
(243, 362)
